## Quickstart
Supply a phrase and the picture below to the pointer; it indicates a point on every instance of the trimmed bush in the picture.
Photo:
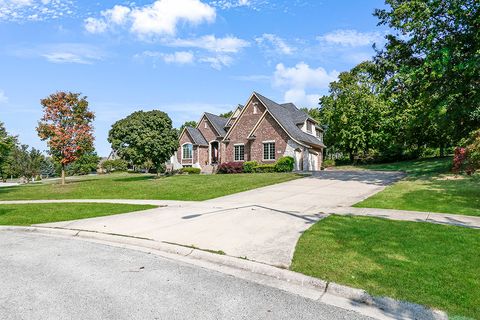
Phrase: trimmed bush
(190, 170)
(328, 163)
(230, 167)
(285, 164)
(249, 165)
(114, 165)
(264, 168)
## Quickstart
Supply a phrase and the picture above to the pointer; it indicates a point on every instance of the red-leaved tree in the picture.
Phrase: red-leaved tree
(66, 125)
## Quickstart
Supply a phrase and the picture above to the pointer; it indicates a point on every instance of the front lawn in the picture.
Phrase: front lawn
(429, 186)
(429, 264)
(28, 214)
(142, 186)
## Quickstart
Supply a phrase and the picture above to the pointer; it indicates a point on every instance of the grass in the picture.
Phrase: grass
(429, 264)
(142, 186)
(28, 214)
(429, 186)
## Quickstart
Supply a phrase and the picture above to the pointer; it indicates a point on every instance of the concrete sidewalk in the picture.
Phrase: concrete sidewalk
(404, 215)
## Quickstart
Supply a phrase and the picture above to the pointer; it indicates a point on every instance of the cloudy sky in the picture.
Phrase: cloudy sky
(183, 57)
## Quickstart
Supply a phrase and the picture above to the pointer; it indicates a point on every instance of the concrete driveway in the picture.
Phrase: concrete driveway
(262, 224)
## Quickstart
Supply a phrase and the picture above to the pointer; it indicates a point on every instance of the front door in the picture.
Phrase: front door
(214, 152)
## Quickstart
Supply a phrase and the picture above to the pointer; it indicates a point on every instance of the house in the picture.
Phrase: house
(262, 130)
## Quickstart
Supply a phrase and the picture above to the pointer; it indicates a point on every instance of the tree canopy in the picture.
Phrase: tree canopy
(144, 137)
(66, 125)
(420, 92)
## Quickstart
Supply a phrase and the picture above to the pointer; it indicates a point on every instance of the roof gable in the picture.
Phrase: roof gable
(195, 135)
(217, 122)
(286, 116)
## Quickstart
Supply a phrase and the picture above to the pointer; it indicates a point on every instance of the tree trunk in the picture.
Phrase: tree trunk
(63, 174)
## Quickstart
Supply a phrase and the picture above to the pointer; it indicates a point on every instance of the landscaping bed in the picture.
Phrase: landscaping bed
(429, 264)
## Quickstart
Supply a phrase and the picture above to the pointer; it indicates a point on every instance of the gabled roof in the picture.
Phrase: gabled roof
(196, 136)
(218, 123)
(287, 116)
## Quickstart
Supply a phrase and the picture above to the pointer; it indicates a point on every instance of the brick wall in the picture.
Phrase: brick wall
(268, 130)
(239, 133)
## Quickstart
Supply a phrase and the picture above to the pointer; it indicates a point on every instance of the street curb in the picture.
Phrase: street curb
(390, 308)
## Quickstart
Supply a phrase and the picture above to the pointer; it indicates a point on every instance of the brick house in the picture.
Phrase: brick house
(262, 130)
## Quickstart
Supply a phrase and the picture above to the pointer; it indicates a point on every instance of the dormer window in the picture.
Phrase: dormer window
(309, 127)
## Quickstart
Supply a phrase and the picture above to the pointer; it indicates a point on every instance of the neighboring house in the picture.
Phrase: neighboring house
(263, 131)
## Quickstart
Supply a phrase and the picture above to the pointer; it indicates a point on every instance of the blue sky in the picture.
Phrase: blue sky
(183, 57)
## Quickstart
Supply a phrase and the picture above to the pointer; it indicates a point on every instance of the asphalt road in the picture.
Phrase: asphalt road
(44, 277)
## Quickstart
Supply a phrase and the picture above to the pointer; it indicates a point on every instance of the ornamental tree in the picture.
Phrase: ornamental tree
(144, 137)
(66, 125)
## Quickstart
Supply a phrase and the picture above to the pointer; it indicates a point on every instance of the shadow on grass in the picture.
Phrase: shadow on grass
(429, 264)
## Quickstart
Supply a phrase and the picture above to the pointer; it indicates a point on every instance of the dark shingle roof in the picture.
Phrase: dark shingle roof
(218, 123)
(288, 115)
(197, 136)
(297, 115)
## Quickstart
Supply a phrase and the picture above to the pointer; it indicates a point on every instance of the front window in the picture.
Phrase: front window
(187, 151)
(239, 152)
(269, 151)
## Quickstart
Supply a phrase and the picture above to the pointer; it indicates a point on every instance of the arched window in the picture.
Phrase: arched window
(187, 151)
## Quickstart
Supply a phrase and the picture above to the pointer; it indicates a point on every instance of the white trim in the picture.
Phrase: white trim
(274, 150)
(239, 116)
(238, 145)
(269, 141)
(182, 158)
(211, 125)
(210, 151)
(257, 124)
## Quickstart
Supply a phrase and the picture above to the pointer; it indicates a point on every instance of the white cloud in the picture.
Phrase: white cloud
(211, 43)
(34, 10)
(274, 44)
(79, 53)
(300, 78)
(93, 25)
(218, 62)
(160, 18)
(351, 38)
(179, 57)
(3, 97)
(231, 4)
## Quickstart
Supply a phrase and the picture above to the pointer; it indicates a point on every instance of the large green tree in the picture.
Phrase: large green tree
(144, 137)
(26, 163)
(353, 114)
(7, 145)
(431, 66)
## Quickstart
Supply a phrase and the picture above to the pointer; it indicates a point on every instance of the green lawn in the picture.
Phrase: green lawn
(429, 264)
(429, 186)
(142, 186)
(27, 214)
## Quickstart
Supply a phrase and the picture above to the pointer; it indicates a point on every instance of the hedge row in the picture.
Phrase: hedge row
(284, 164)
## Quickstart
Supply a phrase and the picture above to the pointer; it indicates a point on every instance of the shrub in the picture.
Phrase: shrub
(249, 165)
(285, 164)
(467, 159)
(115, 165)
(264, 168)
(190, 170)
(329, 163)
(230, 167)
